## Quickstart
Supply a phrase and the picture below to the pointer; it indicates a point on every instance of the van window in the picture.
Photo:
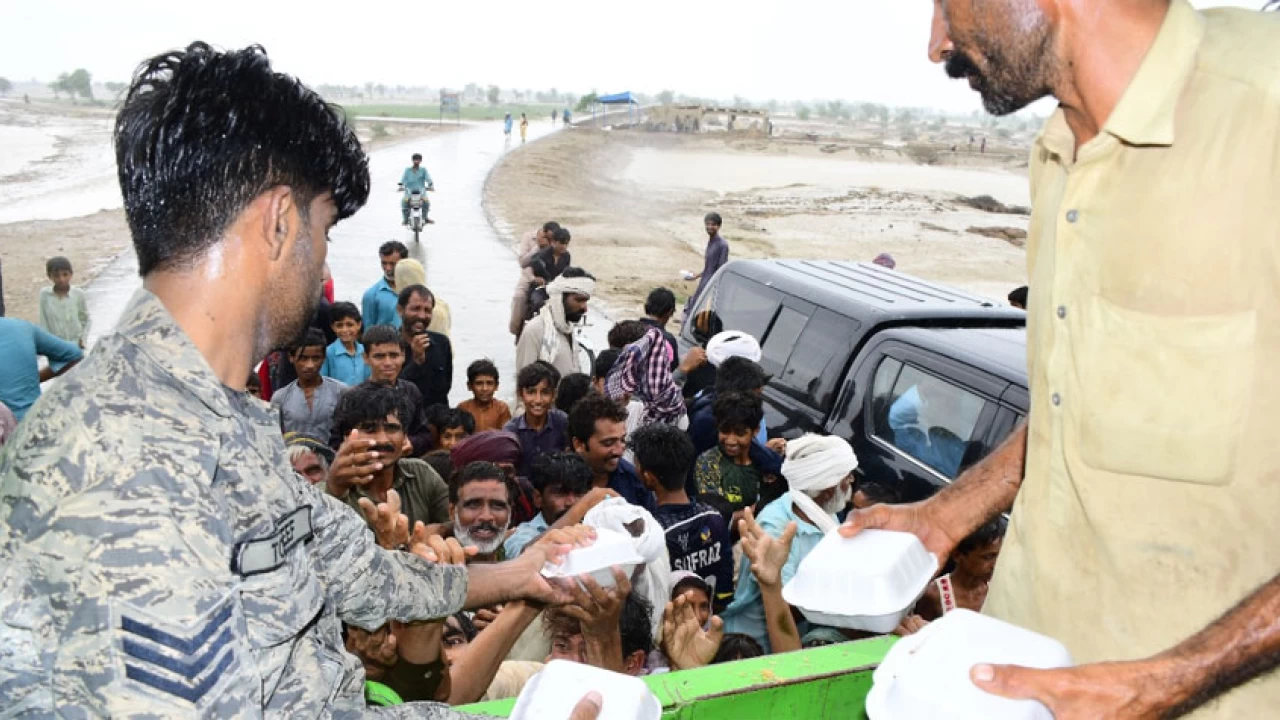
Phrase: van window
(782, 340)
(929, 419)
(745, 305)
(814, 369)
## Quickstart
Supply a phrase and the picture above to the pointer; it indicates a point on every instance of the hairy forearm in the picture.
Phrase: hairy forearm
(784, 636)
(474, 671)
(418, 643)
(492, 584)
(1239, 646)
(986, 489)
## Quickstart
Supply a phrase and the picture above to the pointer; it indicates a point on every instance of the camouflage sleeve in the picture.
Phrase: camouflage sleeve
(374, 585)
(421, 711)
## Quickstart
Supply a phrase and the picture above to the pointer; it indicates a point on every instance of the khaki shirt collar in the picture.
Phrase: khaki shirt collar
(147, 324)
(1146, 111)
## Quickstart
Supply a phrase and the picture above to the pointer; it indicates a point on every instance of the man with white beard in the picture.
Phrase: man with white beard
(819, 471)
(480, 499)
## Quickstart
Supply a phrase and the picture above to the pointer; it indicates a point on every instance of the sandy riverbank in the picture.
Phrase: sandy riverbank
(59, 194)
(635, 202)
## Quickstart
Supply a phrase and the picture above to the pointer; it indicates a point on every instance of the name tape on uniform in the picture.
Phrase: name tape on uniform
(264, 554)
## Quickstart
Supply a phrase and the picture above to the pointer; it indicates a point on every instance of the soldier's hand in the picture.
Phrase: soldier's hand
(355, 464)
(433, 548)
(390, 526)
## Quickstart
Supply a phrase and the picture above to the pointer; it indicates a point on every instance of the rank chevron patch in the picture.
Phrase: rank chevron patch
(185, 662)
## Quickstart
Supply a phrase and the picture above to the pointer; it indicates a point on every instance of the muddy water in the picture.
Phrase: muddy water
(468, 265)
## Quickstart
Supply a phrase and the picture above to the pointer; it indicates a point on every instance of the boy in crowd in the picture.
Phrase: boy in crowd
(64, 313)
(449, 426)
(559, 481)
(344, 358)
(306, 405)
(728, 469)
(541, 428)
(598, 431)
(697, 535)
(600, 369)
(973, 564)
(489, 413)
(573, 387)
(385, 357)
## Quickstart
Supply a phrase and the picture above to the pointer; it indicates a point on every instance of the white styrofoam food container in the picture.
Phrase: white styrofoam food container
(554, 692)
(926, 675)
(609, 549)
(867, 582)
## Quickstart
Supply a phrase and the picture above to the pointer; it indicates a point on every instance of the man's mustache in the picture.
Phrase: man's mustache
(484, 527)
(960, 66)
(384, 448)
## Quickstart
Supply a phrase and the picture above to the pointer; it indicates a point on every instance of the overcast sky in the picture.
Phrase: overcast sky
(863, 50)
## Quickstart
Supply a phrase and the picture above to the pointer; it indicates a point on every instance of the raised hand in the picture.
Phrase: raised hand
(599, 609)
(766, 553)
(436, 549)
(684, 642)
(355, 464)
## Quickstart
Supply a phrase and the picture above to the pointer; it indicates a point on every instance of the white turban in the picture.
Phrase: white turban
(571, 286)
(651, 542)
(815, 463)
(732, 343)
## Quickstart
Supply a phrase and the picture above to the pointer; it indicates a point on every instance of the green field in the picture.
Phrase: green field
(469, 112)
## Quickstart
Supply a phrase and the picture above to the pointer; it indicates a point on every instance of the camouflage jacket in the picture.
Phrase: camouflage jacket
(159, 557)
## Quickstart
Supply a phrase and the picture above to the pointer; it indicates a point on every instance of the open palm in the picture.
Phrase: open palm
(766, 553)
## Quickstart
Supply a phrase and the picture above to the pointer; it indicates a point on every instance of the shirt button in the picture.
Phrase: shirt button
(1062, 311)
(1072, 216)
(1056, 399)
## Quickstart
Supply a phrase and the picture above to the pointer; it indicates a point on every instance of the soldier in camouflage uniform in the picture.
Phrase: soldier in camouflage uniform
(158, 556)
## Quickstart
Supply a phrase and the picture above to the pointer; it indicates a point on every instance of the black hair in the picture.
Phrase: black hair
(664, 450)
(311, 338)
(380, 335)
(738, 374)
(737, 411)
(1019, 296)
(55, 264)
(550, 226)
(416, 156)
(625, 333)
(992, 531)
(576, 272)
(420, 290)
(343, 310)
(478, 471)
(880, 493)
(573, 387)
(393, 246)
(253, 382)
(446, 418)
(593, 407)
(482, 368)
(737, 646)
(720, 504)
(661, 302)
(692, 582)
(201, 133)
(713, 217)
(636, 625)
(442, 462)
(533, 374)
(604, 363)
(468, 628)
(561, 235)
(369, 402)
(565, 470)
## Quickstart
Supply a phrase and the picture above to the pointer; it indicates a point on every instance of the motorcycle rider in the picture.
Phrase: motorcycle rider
(416, 178)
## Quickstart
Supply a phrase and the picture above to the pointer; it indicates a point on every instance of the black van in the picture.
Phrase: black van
(922, 379)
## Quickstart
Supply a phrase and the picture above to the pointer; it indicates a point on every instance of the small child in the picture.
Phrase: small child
(344, 358)
(63, 310)
(482, 381)
(541, 428)
(699, 592)
(727, 469)
(449, 426)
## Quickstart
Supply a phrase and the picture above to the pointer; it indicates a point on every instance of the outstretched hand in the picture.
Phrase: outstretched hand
(919, 519)
(767, 554)
(551, 549)
(599, 609)
(355, 464)
(436, 549)
(390, 526)
(1102, 691)
(684, 641)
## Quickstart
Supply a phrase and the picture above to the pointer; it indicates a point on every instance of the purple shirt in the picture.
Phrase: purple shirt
(552, 438)
(717, 255)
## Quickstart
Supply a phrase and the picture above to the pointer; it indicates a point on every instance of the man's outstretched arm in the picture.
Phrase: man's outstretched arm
(1239, 646)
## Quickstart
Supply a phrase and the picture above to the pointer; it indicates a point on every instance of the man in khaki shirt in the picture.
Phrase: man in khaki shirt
(1144, 535)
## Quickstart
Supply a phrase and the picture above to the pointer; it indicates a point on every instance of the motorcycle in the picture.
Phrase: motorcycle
(418, 206)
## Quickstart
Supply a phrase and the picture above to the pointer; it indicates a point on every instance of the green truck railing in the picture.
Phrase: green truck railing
(824, 682)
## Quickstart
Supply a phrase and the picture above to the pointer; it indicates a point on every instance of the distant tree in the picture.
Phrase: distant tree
(80, 82)
(836, 109)
(802, 111)
(493, 94)
(368, 89)
(5, 86)
(905, 117)
(62, 85)
(666, 97)
(586, 101)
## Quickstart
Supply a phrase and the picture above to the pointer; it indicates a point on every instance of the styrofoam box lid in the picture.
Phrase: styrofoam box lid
(876, 572)
(552, 694)
(927, 674)
(610, 548)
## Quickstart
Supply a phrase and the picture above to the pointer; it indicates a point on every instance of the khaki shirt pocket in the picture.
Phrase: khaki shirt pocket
(1162, 396)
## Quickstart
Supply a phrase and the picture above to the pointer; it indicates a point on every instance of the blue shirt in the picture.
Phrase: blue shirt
(627, 484)
(746, 613)
(415, 179)
(379, 305)
(552, 438)
(20, 343)
(524, 534)
(347, 368)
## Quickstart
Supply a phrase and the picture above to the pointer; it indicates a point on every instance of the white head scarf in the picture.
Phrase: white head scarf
(732, 343)
(655, 582)
(559, 326)
(815, 463)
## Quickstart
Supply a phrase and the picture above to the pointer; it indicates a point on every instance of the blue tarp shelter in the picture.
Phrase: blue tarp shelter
(622, 98)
